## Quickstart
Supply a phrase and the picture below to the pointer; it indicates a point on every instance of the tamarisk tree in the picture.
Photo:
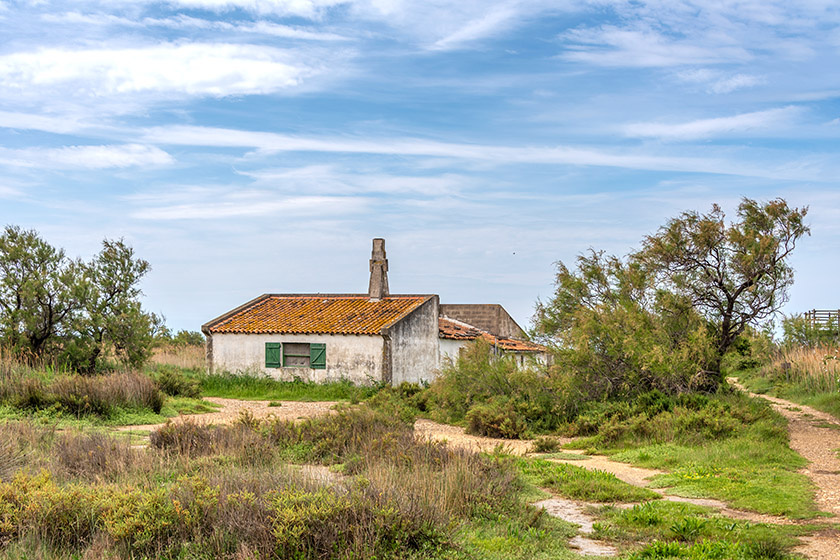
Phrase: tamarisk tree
(735, 274)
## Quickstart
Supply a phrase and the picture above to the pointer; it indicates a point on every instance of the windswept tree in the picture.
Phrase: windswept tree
(735, 274)
(618, 334)
(665, 316)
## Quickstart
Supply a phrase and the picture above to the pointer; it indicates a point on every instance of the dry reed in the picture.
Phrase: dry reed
(187, 357)
(815, 370)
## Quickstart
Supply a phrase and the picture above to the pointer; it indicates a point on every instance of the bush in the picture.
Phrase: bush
(532, 400)
(171, 381)
(497, 418)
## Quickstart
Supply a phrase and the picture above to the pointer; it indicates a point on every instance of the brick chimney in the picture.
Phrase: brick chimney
(378, 287)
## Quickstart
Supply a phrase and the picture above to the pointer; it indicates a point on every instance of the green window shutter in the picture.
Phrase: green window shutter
(272, 354)
(318, 356)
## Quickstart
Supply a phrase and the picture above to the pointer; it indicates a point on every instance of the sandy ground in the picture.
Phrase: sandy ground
(231, 409)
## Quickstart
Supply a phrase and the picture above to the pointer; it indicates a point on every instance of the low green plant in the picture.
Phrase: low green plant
(582, 484)
(545, 444)
(496, 418)
(175, 383)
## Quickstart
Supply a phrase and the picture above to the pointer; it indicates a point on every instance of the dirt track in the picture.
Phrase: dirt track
(816, 436)
(231, 409)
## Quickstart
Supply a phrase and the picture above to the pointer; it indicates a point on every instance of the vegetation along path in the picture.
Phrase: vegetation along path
(816, 436)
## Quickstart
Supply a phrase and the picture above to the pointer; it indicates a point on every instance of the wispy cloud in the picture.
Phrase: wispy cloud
(714, 81)
(251, 204)
(32, 121)
(330, 179)
(268, 143)
(185, 22)
(486, 25)
(644, 47)
(86, 157)
(744, 123)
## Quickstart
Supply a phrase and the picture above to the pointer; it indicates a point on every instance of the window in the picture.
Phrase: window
(296, 354)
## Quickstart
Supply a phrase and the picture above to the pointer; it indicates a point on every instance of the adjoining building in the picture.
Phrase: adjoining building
(365, 338)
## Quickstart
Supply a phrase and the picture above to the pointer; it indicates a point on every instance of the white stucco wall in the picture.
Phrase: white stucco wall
(415, 353)
(357, 358)
(450, 349)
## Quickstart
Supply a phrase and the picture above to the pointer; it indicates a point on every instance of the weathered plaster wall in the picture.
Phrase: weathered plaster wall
(415, 353)
(490, 317)
(356, 358)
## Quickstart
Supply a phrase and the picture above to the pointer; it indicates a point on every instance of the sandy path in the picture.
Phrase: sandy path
(635, 476)
(233, 408)
(816, 436)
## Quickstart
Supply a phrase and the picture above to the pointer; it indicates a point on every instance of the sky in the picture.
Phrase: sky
(253, 146)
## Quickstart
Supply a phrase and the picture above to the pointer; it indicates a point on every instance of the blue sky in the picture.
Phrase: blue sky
(248, 146)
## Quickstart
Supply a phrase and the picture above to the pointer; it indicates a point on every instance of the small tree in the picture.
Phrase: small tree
(734, 274)
(664, 317)
(70, 310)
(40, 291)
(113, 317)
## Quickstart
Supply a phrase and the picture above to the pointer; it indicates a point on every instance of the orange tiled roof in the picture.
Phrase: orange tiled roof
(458, 330)
(316, 314)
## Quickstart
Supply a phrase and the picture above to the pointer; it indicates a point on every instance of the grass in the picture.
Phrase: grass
(225, 492)
(690, 531)
(726, 446)
(745, 473)
(578, 483)
(264, 388)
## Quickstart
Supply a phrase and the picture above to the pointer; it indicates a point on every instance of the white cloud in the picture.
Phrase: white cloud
(252, 204)
(185, 22)
(704, 128)
(30, 121)
(210, 69)
(331, 180)
(86, 157)
(301, 8)
(486, 25)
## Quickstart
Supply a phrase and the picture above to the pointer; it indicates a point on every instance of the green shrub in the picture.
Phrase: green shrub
(172, 381)
(545, 445)
(496, 418)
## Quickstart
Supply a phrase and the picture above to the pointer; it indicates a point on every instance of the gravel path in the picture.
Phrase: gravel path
(816, 436)
(231, 409)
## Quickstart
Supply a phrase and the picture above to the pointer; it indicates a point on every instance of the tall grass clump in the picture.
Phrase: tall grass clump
(225, 492)
(805, 374)
(25, 388)
(185, 356)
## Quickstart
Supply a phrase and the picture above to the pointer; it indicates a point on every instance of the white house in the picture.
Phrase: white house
(367, 338)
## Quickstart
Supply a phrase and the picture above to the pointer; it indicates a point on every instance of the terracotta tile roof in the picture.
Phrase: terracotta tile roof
(316, 314)
(458, 330)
